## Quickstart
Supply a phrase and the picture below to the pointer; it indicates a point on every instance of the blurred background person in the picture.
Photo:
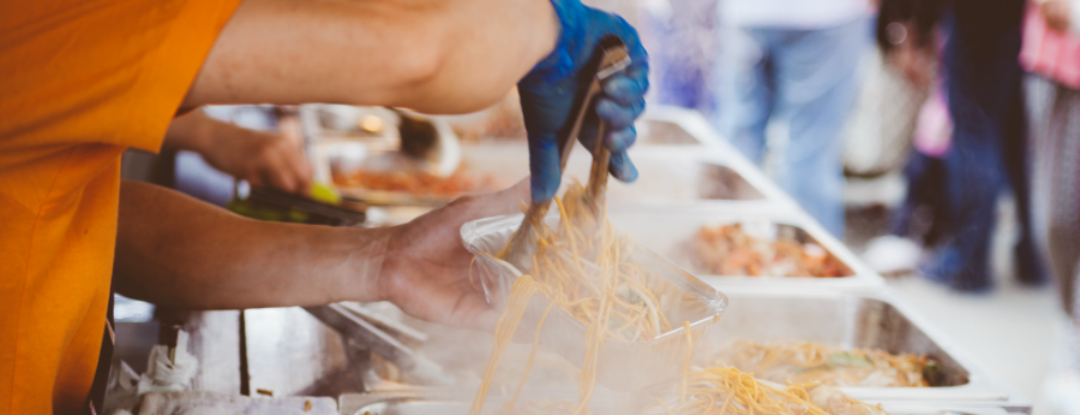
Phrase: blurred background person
(796, 62)
(964, 158)
(1051, 53)
(987, 151)
(911, 44)
(680, 76)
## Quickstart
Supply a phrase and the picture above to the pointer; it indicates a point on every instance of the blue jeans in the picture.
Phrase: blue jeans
(806, 77)
(987, 153)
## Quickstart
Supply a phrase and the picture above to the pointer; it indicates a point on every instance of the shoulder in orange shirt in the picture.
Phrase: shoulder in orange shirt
(82, 81)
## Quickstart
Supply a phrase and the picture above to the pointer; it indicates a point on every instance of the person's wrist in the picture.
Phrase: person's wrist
(360, 253)
(203, 133)
(372, 273)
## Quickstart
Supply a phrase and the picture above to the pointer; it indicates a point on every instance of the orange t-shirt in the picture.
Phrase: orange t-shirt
(81, 81)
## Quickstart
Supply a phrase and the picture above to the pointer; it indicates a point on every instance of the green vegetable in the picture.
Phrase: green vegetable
(844, 358)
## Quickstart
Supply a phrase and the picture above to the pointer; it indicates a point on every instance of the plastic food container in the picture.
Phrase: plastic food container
(622, 365)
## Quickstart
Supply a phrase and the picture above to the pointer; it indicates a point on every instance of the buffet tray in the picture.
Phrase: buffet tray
(667, 174)
(850, 320)
(455, 402)
(663, 125)
(832, 318)
(669, 229)
(680, 159)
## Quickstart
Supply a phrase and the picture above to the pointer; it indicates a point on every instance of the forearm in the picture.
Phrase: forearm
(193, 131)
(174, 250)
(437, 56)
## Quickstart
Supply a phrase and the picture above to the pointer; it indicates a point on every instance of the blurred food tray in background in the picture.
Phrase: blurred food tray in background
(434, 402)
(806, 249)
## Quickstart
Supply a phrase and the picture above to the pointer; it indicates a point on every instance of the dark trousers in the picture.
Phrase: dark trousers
(922, 214)
(987, 154)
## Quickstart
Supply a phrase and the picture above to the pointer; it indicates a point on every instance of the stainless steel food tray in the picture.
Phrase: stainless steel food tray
(680, 159)
(662, 125)
(854, 320)
(873, 320)
(444, 403)
(667, 174)
(668, 229)
(848, 320)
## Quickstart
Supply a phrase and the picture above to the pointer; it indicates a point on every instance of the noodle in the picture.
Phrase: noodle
(583, 268)
(801, 362)
(524, 287)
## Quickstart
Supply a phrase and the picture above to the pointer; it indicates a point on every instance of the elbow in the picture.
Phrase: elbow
(443, 77)
(422, 60)
(421, 64)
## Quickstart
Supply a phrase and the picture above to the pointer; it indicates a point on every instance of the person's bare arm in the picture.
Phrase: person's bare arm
(435, 56)
(261, 158)
(174, 250)
(178, 251)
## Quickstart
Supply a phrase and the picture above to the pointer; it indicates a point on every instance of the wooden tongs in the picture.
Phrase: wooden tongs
(610, 57)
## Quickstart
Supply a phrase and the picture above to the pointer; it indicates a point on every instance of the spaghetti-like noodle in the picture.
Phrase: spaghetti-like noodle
(802, 362)
(724, 390)
(583, 267)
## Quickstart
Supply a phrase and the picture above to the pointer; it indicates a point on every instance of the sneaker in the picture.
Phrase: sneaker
(892, 255)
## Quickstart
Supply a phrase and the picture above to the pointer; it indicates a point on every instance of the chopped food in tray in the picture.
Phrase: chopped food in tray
(806, 362)
(417, 183)
(733, 250)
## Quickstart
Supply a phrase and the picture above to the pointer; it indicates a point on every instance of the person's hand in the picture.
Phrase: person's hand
(426, 269)
(263, 159)
(548, 93)
(1056, 14)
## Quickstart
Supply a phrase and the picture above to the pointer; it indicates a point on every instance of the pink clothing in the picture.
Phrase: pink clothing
(933, 130)
(1052, 54)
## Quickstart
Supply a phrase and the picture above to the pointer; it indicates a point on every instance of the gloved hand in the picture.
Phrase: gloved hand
(548, 93)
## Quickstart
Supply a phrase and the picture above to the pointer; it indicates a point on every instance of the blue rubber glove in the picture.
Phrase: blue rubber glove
(548, 93)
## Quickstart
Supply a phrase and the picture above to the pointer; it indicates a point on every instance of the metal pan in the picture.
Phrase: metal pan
(663, 132)
(669, 230)
(853, 321)
(764, 314)
(442, 403)
(667, 175)
(681, 160)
